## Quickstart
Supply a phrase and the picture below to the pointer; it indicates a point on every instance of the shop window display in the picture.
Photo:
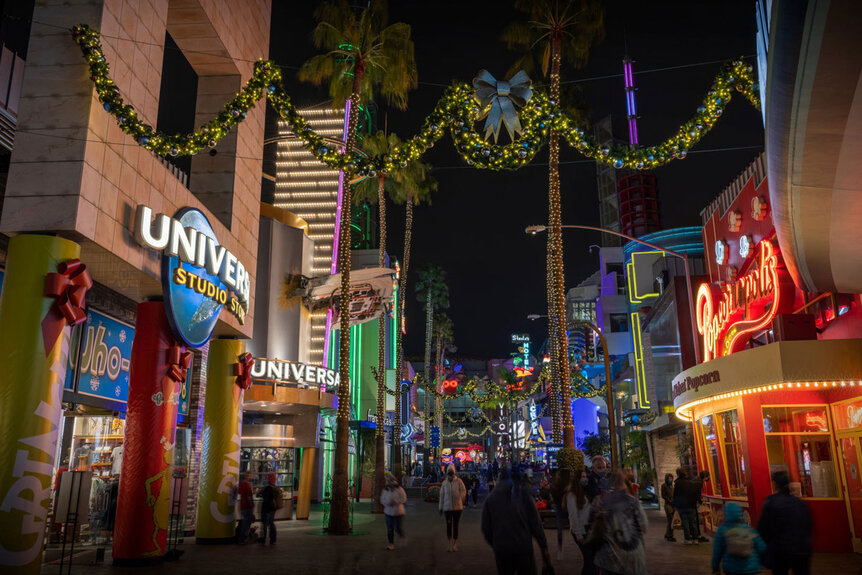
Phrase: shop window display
(798, 442)
(709, 437)
(261, 461)
(728, 423)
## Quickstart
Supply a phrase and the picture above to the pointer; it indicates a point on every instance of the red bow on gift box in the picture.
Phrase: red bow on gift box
(242, 370)
(68, 287)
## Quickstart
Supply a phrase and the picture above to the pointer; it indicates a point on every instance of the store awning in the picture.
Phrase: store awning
(781, 365)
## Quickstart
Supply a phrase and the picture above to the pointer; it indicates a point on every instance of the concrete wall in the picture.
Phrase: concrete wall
(75, 173)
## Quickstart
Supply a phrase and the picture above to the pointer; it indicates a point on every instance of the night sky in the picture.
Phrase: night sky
(474, 228)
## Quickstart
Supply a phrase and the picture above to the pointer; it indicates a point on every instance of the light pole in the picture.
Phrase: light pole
(609, 396)
(533, 230)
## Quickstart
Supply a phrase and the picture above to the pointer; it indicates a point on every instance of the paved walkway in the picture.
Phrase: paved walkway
(303, 549)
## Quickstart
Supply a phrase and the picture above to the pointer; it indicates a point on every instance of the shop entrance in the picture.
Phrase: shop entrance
(851, 457)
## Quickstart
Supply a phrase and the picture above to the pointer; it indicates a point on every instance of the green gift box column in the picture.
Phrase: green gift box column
(31, 391)
(221, 444)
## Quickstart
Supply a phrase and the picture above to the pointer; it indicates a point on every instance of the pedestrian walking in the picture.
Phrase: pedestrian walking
(393, 497)
(703, 477)
(737, 548)
(578, 507)
(452, 496)
(597, 476)
(559, 488)
(510, 522)
(669, 510)
(245, 495)
(685, 495)
(622, 524)
(270, 496)
(785, 525)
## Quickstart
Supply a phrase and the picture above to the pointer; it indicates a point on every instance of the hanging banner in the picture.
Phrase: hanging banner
(31, 381)
(222, 434)
(159, 367)
(371, 293)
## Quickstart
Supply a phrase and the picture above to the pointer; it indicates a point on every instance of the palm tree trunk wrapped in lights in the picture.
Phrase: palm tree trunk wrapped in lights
(552, 29)
(380, 432)
(358, 45)
(399, 363)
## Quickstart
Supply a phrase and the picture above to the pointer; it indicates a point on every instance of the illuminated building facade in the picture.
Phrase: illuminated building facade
(312, 191)
(780, 387)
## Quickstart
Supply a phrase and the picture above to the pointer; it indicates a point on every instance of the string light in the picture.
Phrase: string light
(456, 112)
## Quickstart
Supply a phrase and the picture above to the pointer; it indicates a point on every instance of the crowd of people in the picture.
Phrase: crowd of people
(607, 521)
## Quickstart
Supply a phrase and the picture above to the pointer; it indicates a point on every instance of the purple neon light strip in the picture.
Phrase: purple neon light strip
(335, 236)
(630, 102)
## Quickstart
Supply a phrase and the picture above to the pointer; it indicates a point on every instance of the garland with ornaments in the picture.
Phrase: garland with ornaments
(457, 111)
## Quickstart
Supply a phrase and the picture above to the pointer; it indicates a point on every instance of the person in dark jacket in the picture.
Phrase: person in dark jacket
(669, 509)
(785, 525)
(269, 493)
(510, 522)
(685, 495)
(737, 547)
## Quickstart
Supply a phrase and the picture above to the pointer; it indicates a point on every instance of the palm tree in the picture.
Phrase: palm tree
(363, 55)
(444, 337)
(419, 185)
(552, 30)
(433, 292)
(374, 190)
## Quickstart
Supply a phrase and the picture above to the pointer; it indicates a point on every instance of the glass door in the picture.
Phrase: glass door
(851, 454)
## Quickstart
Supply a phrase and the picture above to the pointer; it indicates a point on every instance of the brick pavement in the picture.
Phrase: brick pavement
(303, 549)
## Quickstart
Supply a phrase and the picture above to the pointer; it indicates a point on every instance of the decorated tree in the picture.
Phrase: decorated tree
(433, 292)
(444, 337)
(550, 31)
(364, 55)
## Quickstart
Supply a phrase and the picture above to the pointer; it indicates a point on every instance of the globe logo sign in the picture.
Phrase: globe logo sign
(199, 277)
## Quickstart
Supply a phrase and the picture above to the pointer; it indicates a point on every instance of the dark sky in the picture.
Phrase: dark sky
(474, 229)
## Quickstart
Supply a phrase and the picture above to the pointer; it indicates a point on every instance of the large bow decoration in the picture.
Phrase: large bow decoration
(179, 361)
(68, 287)
(242, 370)
(498, 100)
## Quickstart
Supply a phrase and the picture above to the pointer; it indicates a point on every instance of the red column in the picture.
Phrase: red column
(144, 500)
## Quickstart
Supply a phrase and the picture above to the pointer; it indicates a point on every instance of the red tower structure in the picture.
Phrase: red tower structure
(638, 201)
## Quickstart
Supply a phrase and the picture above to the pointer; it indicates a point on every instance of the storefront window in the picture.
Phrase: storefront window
(710, 444)
(795, 443)
(261, 461)
(729, 424)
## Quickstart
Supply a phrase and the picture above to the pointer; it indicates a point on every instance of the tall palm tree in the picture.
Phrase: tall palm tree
(433, 292)
(364, 55)
(444, 336)
(375, 190)
(550, 31)
(419, 185)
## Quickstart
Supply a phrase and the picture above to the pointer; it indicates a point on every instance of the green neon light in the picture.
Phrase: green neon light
(393, 340)
(640, 373)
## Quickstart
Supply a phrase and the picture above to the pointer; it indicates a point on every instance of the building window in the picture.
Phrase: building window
(798, 442)
(709, 437)
(728, 425)
(619, 322)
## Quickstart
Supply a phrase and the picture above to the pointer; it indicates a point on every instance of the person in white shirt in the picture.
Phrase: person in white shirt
(452, 496)
(393, 499)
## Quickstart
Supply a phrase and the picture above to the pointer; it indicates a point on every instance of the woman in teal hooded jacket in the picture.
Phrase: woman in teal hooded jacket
(737, 547)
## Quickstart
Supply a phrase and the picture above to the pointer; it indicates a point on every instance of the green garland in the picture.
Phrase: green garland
(456, 112)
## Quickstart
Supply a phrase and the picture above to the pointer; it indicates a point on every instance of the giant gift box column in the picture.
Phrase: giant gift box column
(158, 368)
(34, 348)
(221, 441)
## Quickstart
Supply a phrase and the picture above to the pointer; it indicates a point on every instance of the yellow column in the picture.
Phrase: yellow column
(306, 476)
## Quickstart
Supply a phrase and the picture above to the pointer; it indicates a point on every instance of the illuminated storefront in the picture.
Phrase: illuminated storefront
(780, 385)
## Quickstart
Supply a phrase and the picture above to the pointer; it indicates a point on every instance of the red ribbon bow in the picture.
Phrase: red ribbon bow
(242, 370)
(69, 288)
(179, 361)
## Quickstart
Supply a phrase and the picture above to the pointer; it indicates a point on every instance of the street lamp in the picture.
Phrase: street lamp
(533, 230)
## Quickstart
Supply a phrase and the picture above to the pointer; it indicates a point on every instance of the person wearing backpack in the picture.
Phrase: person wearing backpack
(619, 525)
(737, 547)
(272, 497)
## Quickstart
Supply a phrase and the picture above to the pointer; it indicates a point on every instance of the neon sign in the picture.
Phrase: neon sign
(729, 313)
(450, 386)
